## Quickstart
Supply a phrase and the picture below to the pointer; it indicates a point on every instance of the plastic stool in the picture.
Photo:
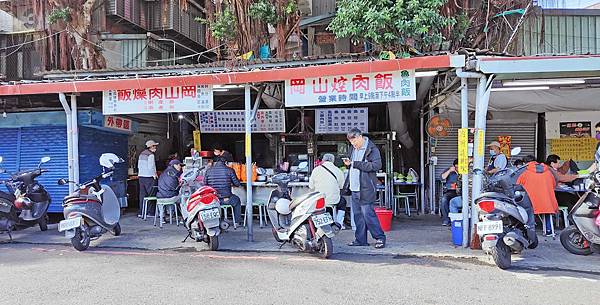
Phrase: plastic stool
(262, 214)
(145, 207)
(565, 214)
(225, 214)
(160, 207)
(397, 199)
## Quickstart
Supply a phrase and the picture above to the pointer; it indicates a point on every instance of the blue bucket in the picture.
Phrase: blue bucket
(264, 51)
(457, 228)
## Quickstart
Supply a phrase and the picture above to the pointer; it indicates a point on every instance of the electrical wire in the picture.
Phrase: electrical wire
(28, 42)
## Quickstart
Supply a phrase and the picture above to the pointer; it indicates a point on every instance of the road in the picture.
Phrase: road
(54, 274)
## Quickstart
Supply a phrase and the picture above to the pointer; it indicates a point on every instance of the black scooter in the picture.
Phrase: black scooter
(26, 204)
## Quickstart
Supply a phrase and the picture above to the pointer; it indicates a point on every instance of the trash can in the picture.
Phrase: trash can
(457, 229)
(385, 218)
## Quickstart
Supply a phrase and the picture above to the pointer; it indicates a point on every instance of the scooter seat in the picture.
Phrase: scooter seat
(497, 196)
(81, 199)
(296, 201)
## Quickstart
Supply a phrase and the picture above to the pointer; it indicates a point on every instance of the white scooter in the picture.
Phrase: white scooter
(93, 209)
(309, 226)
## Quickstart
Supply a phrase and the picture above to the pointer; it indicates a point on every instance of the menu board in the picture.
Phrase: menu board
(578, 149)
(341, 120)
(575, 129)
(233, 121)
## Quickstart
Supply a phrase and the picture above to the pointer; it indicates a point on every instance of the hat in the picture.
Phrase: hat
(494, 143)
(151, 143)
(174, 162)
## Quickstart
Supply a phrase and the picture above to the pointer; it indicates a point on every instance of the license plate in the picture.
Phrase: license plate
(69, 224)
(210, 215)
(490, 227)
(322, 219)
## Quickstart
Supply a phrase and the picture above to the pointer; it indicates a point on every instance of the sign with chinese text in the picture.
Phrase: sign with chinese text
(197, 145)
(351, 89)
(233, 121)
(115, 122)
(480, 134)
(577, 149)
(341, 120)
(463, 144)
(505, 145)
(158, 100)
(576, 129)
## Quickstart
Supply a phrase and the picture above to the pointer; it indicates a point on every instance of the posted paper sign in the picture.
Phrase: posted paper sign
(234, 121)
(158, 100)
(351, 89)
(463, 144)
(341, 120)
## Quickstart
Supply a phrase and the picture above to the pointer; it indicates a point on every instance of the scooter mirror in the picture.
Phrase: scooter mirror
(45, 160)
(515, 151)
(303, 165)
(62, 181)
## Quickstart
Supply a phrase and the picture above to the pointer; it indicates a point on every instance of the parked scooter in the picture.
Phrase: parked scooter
(26, 204)
(503, 221)
(93, 209)
(309, 226)
(204, 221)
(583, 238)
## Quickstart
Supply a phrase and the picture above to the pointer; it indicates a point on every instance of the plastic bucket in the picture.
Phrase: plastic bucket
(264, 52)
(385, 218)
(457, 229)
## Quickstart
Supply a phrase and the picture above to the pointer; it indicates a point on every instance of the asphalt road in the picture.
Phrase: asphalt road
(33, 274)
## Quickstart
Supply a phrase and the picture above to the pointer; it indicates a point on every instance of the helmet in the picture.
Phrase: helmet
(282, 206)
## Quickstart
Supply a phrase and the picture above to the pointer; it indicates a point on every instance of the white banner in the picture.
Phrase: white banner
(351, 89)
(233, 121)
(158, 100)
(341, 120)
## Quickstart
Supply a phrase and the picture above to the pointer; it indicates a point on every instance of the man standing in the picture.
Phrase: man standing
(451, 178)
(329, 180)
(364, 163)
(147, 175)
(219, 151)
(498, 160)
(221, 178)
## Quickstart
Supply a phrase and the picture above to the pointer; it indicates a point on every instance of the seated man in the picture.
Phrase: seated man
(168, 182)
(451, 177)
(553, 161)
(329, 180)
(221, 178)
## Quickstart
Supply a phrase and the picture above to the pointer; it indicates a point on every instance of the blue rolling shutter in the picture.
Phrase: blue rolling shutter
(9, 148)
(93, 143)
(51, 141)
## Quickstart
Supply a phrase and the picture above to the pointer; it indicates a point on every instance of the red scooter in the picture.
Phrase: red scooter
(204, 220)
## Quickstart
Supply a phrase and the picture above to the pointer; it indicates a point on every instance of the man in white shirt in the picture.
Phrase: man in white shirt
(329, 180)
(498, 160)
(147, 175)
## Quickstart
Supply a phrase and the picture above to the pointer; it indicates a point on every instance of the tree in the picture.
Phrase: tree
(394, 25)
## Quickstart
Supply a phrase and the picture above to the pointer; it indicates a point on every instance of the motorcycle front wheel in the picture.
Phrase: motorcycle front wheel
(572, 240)
(325, 247)
(213, 242)
(81, 240)
(43, 223)
(501, 254)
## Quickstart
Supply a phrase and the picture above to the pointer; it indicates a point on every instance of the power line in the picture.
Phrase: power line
(28, 42)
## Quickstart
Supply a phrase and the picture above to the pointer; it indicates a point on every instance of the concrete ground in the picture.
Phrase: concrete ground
(57, 274)
(417, 236)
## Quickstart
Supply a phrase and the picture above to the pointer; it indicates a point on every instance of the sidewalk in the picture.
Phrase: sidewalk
(420, 236)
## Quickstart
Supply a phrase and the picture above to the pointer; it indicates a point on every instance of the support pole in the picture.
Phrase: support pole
(483, 96)
(75, 138)
(248, 153)
(63, 102)
(464, 123)
(422, 169)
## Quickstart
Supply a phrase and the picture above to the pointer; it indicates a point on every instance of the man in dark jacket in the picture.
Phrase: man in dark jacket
(221, 178)
(168, 182)
(364, 162)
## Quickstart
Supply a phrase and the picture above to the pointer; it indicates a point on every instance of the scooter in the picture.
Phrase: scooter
(26, 204)
(93, 209)
(204, 221)
(583, 238)
(309, 226)
(503, 222)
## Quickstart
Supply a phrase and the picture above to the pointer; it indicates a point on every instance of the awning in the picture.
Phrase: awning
(237, 77)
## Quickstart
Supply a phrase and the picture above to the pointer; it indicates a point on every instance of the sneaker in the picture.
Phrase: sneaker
(357, 244)
(445, 223)
(380, 244)
(140, 216)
